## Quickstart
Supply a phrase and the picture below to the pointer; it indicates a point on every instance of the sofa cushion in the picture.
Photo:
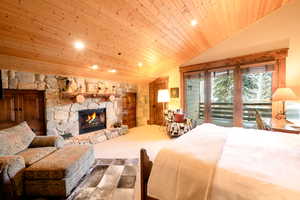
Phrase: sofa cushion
(15, 139)
(47, 141)
(33, 155)
(61, 164)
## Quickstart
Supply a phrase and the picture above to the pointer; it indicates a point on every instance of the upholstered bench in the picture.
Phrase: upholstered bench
(58, 173)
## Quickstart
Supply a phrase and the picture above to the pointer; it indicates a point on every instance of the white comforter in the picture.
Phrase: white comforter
(228, 163)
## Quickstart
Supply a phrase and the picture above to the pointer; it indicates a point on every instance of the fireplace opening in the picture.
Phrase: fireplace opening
(92, 120)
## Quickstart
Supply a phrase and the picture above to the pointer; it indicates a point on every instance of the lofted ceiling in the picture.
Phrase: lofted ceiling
(38, 35)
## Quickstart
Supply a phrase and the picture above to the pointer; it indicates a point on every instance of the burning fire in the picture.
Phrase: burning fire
(91, 118)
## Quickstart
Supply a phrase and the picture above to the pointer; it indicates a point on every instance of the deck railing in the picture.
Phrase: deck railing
(225, 111)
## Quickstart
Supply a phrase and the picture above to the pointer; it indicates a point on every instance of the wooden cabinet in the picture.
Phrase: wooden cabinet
(129, 109)
(23, 105)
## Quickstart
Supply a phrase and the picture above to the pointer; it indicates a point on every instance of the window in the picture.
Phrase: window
(194, 90)
(222, 88)
(257, 94)
(228, 92)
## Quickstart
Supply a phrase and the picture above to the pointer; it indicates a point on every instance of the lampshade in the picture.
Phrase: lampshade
(284, 94)
(163, 96)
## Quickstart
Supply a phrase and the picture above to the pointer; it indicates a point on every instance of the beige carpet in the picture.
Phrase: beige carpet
(129, 145)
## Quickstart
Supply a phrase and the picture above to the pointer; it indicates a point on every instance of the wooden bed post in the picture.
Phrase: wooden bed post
(145, 169)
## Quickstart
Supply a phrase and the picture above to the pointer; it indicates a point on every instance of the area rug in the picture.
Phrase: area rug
(108, 179)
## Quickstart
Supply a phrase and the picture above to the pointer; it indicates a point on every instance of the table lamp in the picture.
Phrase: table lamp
(283, 94)
(163, 97)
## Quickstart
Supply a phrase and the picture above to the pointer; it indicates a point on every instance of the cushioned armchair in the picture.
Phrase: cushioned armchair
(20, 148)
(177, 127)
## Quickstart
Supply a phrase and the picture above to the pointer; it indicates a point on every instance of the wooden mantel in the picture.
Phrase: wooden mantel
(73, 95)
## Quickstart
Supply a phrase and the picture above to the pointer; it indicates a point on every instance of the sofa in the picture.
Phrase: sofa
(33, 165)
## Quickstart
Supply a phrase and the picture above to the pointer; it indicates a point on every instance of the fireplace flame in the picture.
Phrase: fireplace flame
(91, 118)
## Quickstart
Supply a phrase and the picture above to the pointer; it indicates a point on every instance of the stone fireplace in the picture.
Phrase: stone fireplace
(91, 120)
(62, 115)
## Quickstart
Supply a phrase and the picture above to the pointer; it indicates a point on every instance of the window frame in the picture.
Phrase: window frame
(276, 57)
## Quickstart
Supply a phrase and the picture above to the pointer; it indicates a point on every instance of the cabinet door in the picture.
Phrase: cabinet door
(23, 105)
(8, 110)
(31, 110)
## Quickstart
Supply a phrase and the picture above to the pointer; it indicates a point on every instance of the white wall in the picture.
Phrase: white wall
(280, 29)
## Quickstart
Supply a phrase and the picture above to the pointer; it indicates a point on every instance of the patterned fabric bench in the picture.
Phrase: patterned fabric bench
(60, 172)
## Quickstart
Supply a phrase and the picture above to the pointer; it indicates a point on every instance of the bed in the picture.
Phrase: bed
(218, 163)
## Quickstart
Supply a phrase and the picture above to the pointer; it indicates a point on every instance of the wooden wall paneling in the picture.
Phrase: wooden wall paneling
(237, 101)
(118, 34)
(282, 71)
(278, 80)
(275, 78)
(207, 99)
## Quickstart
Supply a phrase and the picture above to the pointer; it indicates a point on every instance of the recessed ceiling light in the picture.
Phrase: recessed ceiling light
(94, 67)
(140, 64)
(194, 22)
(112, 70)
(79, 45)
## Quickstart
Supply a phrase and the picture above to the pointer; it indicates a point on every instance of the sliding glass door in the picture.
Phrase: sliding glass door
(230, 96)
(257, 93)
(222, 88)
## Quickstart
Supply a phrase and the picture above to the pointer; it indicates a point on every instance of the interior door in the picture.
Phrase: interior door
(156, 109)
(129, 109)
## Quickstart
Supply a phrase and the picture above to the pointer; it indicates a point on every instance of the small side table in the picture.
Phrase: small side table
(284, 126)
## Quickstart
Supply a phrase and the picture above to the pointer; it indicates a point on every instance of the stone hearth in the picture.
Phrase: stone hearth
(97, 136)
(64, 119)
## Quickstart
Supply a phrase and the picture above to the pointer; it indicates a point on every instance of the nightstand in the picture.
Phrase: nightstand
(285, 126)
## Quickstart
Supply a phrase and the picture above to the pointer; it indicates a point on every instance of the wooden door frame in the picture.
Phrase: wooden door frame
(164, 80)
(277, 57)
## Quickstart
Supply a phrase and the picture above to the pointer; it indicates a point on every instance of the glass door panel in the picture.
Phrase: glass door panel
(194, 96)
(256, 94)
(222, 88)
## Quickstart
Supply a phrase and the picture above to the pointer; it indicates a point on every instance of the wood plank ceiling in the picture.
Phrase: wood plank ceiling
(38, 35)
